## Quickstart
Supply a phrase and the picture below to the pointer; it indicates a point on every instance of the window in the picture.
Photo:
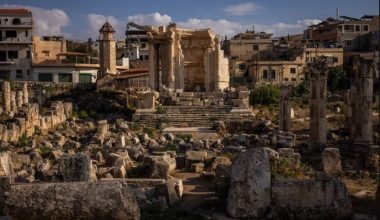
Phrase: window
(65, 77)
(143, 45)
(141, 57)
(348, 42)
(146, 57)
(45, 77)
(357, 28)
(26, 33)
(28, 72)
(293, 70)
(349, 28)
(294, 79)
(265, 74)
(28, 54)
(13, 54)
(255, 47)
(273, 74)
(242, 66)
(335, 59)
(16, 21)
(286, 79)
(85, 78)
(46, 52)
(19, 74)
(3, 55)
(10, 34)
(365, 27)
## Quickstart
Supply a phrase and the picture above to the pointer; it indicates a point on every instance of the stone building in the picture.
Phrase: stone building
(16, 27)
(46, 48)
(107, 49)
(246, 46)
(291, 71)
(185, 59)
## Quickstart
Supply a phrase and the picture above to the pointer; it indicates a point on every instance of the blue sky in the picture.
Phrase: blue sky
(80, 19)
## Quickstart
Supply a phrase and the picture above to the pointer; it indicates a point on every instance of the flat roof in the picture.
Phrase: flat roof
(15, 11)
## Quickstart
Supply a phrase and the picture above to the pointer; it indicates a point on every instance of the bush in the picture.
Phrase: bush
(23, 140)
(150, 131)
(83, 114)
(161, 110)
(338, 80)
(265, 95)
(185, 137)
(45, 151)
(301, 89)
(135, 127)
(37, 130)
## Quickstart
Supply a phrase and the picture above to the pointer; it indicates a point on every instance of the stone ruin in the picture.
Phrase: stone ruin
(24, 117)
(191, 60)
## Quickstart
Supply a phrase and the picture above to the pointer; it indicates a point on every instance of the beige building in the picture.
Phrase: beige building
(291, 71)
(246, 47)
(191, 60)
(47, 48)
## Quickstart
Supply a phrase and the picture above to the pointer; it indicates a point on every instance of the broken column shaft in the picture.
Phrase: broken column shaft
(285, 108)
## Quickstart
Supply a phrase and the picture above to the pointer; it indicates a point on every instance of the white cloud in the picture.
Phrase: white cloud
(96, 21)
(155, 19)
(241, 9)
(221, 27)
(281, 29)
(47, 21)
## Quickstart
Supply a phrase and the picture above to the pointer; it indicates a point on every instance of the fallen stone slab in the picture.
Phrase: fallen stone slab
(324, 198)
(74, 200)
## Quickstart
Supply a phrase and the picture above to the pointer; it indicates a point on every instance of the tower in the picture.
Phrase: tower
(107, 50)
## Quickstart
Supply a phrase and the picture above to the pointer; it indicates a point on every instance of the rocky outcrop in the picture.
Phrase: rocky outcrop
(324, 198)
(6, 166)
(77, 200)
(159, 166)
(249, 194)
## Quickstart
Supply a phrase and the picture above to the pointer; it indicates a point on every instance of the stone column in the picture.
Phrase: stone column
(25, 92)
(13, 102)
(170, 47)
(285, 108)
(19, 99)
(348, 110)
(6, 92)
(362, 103)
(318, 76)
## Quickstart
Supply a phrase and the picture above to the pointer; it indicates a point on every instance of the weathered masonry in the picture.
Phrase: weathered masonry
(190, 60)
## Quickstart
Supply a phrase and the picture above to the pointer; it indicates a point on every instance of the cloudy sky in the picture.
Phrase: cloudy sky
(81, 19)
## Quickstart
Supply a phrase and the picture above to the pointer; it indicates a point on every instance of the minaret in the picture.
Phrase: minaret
(107, 50)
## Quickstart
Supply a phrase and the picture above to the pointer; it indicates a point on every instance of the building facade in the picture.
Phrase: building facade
(16, 27)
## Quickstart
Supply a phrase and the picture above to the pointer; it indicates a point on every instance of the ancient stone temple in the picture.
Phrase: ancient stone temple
(190, 60)
(362, 102)
(318, 76)
(285, 108)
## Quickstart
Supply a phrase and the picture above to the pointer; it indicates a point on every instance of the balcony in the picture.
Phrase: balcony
(15, 40)
(21, 25)
(6, 63)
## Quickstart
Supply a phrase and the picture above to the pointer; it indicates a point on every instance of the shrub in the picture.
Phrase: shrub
(135, 127)
(161, 110)
(83, 114)
(23, 140)
(45, 151)
(338, 80)
(265, 95)
(37, 130)
(301, 89)
(150, 131)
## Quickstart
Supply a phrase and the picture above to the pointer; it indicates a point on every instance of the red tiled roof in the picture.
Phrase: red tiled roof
(12, 11)
(137, 64)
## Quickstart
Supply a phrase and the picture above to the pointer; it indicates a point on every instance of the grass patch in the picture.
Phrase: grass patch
(150, 131)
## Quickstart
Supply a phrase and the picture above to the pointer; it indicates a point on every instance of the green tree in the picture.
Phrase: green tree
(338, 79)
(266, 95)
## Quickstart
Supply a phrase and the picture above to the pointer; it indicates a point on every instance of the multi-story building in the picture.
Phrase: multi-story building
(137, 47)
(350, 33)
(46, 48)
(246, 47)
(291, 71)
(16, 27)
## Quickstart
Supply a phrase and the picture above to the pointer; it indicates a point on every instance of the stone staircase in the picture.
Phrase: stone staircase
(190, 116)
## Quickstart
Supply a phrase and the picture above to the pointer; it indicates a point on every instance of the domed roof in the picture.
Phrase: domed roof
(107, 27)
